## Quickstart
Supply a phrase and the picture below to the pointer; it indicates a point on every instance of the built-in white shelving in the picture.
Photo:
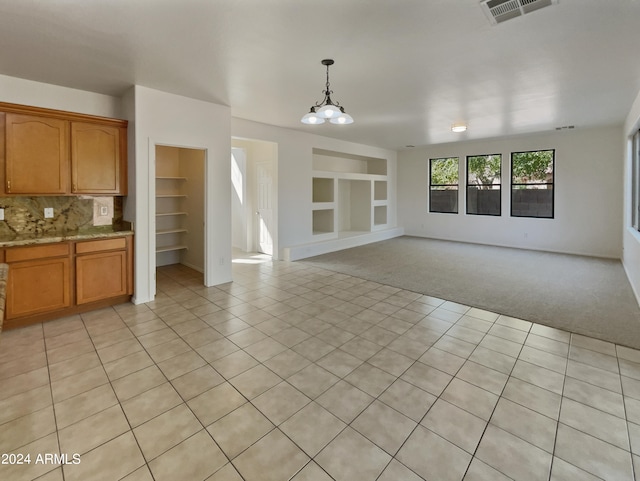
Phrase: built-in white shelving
(170, 212)
(349, 194)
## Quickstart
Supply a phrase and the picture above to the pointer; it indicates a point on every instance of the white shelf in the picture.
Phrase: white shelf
(170, 231)
(348, 175)
(171, 248)
(161, 214)
(323, 205)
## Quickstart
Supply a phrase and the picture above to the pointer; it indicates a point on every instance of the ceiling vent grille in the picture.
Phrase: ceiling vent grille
(498, 11)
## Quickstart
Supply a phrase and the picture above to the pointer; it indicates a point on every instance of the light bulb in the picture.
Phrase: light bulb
(343, 119)
(312, 119)
(329, 111)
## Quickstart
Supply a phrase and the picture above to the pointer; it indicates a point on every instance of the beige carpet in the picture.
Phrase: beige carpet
(586, 295)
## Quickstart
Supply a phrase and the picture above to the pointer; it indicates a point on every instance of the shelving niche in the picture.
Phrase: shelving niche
(349, 194)
(179, 213)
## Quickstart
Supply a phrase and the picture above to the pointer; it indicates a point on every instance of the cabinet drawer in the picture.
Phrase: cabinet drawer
(15, 254)
(101, 245)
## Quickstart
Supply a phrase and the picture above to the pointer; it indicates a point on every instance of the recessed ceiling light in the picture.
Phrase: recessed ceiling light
(458, 127)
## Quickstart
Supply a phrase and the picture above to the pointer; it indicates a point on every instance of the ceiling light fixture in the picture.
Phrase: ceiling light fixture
(327, 109)
(458, 128)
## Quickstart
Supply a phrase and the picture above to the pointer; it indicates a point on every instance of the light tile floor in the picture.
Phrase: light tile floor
(293, 372)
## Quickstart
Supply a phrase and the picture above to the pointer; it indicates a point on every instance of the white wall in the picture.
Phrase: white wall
(245, 221)
(192, 166)
(239, 212)
(294, 175)
(630, 236)
(163, 118)
(588, 198)
(38, 94)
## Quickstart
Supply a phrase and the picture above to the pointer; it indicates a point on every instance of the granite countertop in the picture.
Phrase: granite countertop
(56, 236)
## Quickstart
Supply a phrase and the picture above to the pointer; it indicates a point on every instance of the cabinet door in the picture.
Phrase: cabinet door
(38, 286)
(37, 155)
(95, 159)
(100, 276)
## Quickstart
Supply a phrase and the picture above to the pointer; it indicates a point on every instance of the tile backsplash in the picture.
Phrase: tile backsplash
(25, 215)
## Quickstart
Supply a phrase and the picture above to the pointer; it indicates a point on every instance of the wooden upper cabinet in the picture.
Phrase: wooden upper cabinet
(53, 152)
(37, 155)
(96, 163)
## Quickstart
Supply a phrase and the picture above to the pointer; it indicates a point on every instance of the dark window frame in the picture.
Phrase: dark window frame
(468, 185)
(431, 185)
(635, 181)
(552, 184)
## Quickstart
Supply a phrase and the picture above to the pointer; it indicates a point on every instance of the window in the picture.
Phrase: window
(443, 185)
(635, 181)
(532, 183)
(483, 184)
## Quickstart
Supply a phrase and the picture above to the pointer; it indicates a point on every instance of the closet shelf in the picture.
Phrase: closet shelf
(160, 214)
(169, 196)
(171, 248)
(170, 178)
(170, 231)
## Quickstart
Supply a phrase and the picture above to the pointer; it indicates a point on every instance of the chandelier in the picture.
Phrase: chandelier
(327, 109)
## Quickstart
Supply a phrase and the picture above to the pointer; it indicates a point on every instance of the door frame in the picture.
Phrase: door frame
(251, 219)
(152, 210)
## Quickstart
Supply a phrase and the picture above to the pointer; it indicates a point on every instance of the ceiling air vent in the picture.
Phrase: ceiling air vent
(498, 11)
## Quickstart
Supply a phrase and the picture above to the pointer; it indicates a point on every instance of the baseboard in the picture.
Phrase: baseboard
(513, 246)
(304, 251)
(633, 287)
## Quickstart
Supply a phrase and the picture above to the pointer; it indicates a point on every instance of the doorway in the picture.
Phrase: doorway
(254, 197)
(180, 207)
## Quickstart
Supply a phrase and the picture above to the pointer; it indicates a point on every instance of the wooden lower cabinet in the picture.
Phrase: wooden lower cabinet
(55, 280)
(101, 275)
(38, 286)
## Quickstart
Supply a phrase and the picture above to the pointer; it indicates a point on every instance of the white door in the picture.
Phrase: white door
(264, 214)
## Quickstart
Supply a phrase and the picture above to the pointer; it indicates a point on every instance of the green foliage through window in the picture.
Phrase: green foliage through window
(532, 167)
(444, 171)
(483, 170)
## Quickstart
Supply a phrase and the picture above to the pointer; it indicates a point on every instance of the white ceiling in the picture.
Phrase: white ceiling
(405, 69)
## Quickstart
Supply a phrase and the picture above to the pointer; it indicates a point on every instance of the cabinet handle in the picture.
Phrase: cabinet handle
(8, 186)
(74, 187)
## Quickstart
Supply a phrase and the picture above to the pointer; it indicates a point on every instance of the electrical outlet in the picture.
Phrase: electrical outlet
(48, 212)
(104, 210)
(2, 214)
